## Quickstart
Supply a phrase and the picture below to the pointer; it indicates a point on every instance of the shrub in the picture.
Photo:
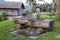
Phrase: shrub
(27, 12)
(3, 16)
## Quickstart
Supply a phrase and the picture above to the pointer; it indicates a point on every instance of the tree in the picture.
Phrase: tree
(27, 12)
(58, 11)
(32, 2)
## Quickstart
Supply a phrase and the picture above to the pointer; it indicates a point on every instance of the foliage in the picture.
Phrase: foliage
(33, 9)
(45, 7)
(30, 1)
(3, 16)
(27, 12)
(33, 3)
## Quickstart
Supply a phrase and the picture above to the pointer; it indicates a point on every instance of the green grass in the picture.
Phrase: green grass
(5, 26)
(44, 16)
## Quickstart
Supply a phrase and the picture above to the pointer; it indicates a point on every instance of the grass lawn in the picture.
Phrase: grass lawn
(44, 16)
(5, 26)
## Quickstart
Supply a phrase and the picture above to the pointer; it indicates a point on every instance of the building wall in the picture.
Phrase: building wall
(10, 11)
(21, 11)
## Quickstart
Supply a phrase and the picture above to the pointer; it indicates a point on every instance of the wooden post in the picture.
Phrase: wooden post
(58, 9)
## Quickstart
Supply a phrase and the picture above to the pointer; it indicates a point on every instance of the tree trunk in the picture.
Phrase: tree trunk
(58, 16)
(58, 9)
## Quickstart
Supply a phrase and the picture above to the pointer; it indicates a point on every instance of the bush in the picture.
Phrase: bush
(3, 16)
(27, 12)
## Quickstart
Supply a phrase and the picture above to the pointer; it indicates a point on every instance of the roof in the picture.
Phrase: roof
(12, 5)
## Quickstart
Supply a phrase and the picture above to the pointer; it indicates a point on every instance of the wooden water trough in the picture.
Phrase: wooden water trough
(33, 26)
